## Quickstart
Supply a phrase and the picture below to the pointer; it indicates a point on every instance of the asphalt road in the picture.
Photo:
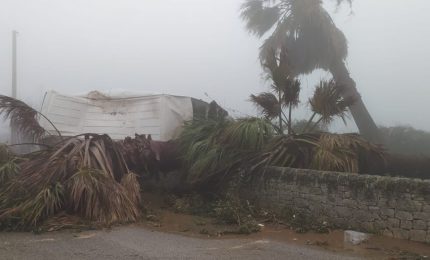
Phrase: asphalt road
(140, 243)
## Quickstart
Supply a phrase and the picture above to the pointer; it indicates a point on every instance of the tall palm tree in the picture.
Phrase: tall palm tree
(306, 30)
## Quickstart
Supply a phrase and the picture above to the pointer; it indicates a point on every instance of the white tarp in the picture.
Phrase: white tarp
(119, 115)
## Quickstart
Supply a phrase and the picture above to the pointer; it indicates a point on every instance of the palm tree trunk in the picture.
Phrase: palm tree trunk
(362, 118)
(289, 120)
(280, 112)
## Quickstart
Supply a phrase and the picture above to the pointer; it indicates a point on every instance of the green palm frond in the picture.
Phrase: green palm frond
(249, 134)
(221, 148)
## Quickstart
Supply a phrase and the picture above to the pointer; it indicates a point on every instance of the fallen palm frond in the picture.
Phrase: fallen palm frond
(82, 175)
(9, 165)
(130, 182)
(344, 153)
(250, 144)
(23, 117)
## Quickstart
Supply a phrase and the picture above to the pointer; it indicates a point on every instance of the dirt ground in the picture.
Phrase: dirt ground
(377, 247)
(166, 234)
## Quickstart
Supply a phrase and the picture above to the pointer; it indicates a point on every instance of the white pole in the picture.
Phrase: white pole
(14, 78)
(14, 134)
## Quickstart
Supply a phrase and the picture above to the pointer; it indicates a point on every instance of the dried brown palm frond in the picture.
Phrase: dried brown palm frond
(268, 104)
(130, 182)
(9, 165)
(96, 196)
(23, 117)
(344, 153)
(321, 151)
(328, 102)
(90, 168)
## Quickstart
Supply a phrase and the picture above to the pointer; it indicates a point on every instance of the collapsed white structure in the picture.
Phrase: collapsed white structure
(119, 115)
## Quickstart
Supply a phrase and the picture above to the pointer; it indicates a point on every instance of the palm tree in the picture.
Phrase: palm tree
(284, 85)
(306, 30)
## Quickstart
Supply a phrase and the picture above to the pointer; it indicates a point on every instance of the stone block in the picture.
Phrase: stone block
(374, 208)
(387, 212)
(354, 237)
(426, 208)
(406, 224)
(418, 235)
(420, 224)
(393, 222)
(421, 215)
(404, 215)
(343, 211)
(409, 205)
(380, 225)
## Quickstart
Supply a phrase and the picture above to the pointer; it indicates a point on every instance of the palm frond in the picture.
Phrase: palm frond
(259, 17)
(344, 153)
(291, 92)
(220, 149)
(130, 182)
(328, 101)
(24, 118)
(21, 116)
(9, 165)
(268, 104)
(96, 196)
(250, 134)
(92, 170)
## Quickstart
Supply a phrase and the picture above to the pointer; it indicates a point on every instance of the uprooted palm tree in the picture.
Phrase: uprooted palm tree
(306, 30)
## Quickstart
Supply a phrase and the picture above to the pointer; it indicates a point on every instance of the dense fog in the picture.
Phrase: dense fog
(200, 48)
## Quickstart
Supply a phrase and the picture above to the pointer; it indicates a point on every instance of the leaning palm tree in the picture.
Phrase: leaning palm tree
(306, 30)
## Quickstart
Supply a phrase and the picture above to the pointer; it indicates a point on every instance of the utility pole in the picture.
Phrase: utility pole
(14, 134)
(14, 79)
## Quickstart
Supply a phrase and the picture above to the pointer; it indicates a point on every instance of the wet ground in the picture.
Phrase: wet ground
(166, 234)
(179, 238)
(140, 243)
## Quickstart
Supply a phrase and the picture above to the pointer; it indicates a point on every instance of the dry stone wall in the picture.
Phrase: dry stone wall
(394, 207)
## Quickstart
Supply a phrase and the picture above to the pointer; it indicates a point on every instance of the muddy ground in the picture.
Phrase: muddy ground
(163, 218)
(167, 234)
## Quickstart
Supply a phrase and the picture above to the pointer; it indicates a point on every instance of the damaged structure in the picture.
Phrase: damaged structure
(123, 114)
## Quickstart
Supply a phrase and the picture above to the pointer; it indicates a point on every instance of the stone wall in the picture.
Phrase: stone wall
(394, 207)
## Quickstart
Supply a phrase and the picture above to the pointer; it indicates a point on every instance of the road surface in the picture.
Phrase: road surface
(140, 243)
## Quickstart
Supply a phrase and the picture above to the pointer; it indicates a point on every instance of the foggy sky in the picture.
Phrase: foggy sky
(193, 47)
